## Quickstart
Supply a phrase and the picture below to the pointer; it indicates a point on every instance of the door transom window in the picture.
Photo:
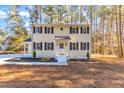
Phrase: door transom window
(61, 45)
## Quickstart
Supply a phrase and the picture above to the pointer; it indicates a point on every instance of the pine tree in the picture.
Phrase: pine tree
(16, 28)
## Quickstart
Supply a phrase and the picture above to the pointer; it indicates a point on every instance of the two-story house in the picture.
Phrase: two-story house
(50, 40)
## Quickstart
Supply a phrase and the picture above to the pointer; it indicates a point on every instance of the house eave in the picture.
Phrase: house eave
(61, 25)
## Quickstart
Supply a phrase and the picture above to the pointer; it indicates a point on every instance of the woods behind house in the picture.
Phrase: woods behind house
(107, 25)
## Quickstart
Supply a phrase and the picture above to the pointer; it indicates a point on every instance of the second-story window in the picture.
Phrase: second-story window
(84, 30)
(73, 30)
(49, 30)
(37, 29)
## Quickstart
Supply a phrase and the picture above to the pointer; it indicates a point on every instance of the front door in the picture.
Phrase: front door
(62, 47)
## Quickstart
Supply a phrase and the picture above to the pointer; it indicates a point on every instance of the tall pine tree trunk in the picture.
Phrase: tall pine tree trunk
(120, 34)
(117, 34)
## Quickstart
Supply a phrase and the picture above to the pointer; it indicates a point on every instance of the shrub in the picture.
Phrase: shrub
(45, 59)
(88, 55)
(61, 54)
(34, 54)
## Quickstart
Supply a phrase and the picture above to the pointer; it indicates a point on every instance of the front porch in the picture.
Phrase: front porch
(62, 45)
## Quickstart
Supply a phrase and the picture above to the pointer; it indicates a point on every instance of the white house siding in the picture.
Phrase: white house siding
(43, 37)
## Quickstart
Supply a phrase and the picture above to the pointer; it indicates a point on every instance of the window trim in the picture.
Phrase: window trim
(74, 30)
(38, 46)
(74, 45)
(84, 46)
(49, 46)
(37, 30)
(49, 30)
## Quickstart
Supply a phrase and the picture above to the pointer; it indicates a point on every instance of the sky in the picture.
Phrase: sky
(3, 15)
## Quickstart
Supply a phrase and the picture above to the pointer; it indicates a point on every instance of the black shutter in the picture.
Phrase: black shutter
(52, 44)
(70, 30)
(81, 46)
(77, 46)
(33, 29)
(81, 30)
(34, 45)
(87, 45)
(45, 46)
(70, 46)
(40, 29)
(41, 46)
(45, 29)
(77, 30)
(87, 30)
(52, 30)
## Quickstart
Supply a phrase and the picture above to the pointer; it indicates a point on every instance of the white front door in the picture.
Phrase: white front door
(62, 48)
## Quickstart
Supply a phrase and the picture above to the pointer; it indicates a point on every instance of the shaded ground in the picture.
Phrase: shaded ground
(108, 73)
(30, 59)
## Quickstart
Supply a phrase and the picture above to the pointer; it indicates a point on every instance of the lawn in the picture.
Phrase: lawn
(108, 72)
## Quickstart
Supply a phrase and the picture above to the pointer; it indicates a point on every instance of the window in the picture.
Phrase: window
(73, 30)
(74, 46)
(61, 45)
(37, 29)
(38, 46)
(49, 46)
(61, 28)
(84, 45)
(49, 29)
(84, 30)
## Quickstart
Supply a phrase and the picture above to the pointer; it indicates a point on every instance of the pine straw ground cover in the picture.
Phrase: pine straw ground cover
(107, 73)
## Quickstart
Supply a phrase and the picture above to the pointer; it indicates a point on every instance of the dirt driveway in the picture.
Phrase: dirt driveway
(76, 74)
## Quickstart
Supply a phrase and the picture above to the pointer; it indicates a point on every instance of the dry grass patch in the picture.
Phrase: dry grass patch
(76, 74)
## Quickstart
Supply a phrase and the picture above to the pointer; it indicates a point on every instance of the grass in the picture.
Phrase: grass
(107, 73)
